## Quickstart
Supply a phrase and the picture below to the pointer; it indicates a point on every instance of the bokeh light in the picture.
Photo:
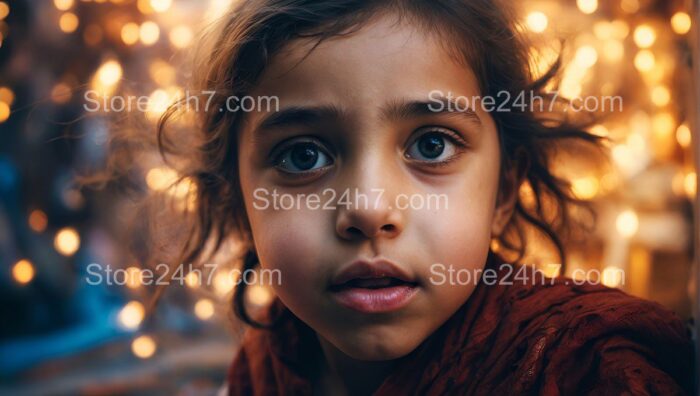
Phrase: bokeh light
(23, 271)
(67, 241)
(131, 315)
(627, 223)
(204, 309)
(144, 346)
(681, 22)
(68, 22)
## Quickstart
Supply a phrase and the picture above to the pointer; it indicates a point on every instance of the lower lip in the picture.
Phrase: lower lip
(385, 299)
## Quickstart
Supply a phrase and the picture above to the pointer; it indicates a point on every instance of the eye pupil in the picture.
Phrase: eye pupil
(431, 146)
(304, 157)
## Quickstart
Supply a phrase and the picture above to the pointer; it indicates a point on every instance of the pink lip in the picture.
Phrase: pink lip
(379, 268)
(373, 300)
(385, 299)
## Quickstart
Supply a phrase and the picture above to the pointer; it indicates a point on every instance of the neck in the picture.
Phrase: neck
(341, 374)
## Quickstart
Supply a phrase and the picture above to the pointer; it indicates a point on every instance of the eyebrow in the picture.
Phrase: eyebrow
(300, 115)
(309, 115)
(426, 108)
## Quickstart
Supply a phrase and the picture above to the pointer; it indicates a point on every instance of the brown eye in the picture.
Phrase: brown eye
(302, 157)
(432, 147)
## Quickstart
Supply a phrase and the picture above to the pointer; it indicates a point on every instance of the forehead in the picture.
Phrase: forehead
(385, 60)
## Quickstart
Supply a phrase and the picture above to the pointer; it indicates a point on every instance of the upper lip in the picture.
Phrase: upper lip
(369, 269)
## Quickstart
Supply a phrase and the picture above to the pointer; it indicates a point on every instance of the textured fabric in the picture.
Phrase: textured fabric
(512, 336)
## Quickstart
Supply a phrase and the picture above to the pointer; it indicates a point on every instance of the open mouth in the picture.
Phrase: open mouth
(376, 286)
(372, 283)
(374, 295)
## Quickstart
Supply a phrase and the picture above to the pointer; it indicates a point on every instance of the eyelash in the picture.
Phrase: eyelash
(454, 137)
(282, 148)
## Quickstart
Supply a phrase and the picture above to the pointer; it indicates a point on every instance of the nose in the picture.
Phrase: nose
(368, 223)
(370, 212)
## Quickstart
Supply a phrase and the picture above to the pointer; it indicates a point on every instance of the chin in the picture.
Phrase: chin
(377, 349)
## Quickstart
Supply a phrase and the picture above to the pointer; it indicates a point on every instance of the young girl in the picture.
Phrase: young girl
(371, 122)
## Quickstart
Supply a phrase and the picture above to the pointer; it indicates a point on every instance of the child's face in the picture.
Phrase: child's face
(351, 129)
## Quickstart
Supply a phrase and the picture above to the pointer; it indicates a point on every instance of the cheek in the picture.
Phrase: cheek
(463, 224)
(459, 236)
(282, 245)
(456, 239)
(293, 241)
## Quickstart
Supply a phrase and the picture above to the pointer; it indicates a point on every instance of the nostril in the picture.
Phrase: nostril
(354, 232)
(390, 228)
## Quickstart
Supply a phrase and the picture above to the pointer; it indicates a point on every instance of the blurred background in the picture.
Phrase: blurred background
(60, 334)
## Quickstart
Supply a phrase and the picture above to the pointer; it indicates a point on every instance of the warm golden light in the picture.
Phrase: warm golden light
(204, 309)
(192, 280)
(68, 22)
(38, 220)
(627, 223)
(663, 125)
(144, 7)
(600, 130)
(143, 347)
(644, 61)
(4, 112)
(603, 30)
(161, 178)
(133, 278)
(6, 95)
(587, 6)
(683, 135)
(537, 21)
(527, 195)
(620, 29)
(181, 36)
(162, 72)
(67, 241)
(183, 188)
(644, 36)
(4, 10)
(63, 5)
(690, 184)
(130, 33)
(612, 276)
(613, 50)
(681, 22)
(585, 187)
(161, 5)
(629, 6)
(586, 56)
(223, 283)
(217, 8)
(158, 102)
(677, 184)
(259, 295)
(149, 32)
(131, 315)
(550, 270)
(23, 272)
(608, 182)
(109, 73)
(660, 95)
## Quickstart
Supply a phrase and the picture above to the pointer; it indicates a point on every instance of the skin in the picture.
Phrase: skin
(364, 76)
